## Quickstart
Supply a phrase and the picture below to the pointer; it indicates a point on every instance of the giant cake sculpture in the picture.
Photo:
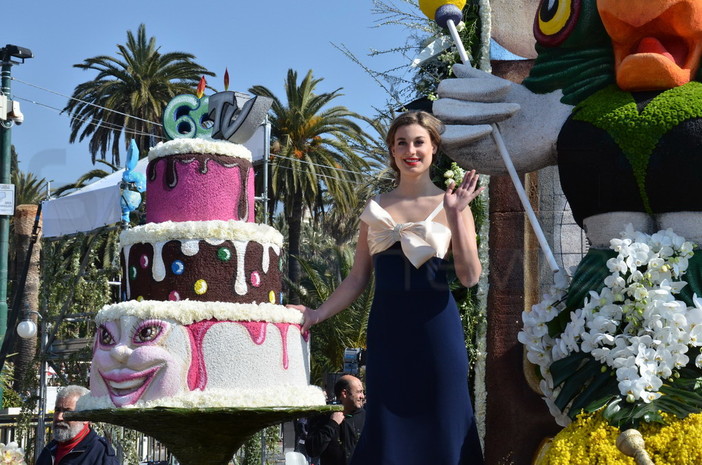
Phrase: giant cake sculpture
(202, 323)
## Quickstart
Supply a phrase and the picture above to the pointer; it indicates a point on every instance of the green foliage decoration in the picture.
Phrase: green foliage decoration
(637, 132)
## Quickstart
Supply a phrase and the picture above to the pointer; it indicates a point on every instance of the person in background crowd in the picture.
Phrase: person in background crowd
(75, 442)
(333, 437)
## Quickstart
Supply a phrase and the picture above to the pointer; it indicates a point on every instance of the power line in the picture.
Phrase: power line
(134, 132)
(330, 177)
(322, 166)
(101, 123)
(85, 102)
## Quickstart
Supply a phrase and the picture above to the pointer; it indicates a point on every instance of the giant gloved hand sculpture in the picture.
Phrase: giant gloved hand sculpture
(529, 122)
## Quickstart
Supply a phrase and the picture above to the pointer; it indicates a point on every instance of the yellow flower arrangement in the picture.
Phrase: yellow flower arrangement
(591, 440)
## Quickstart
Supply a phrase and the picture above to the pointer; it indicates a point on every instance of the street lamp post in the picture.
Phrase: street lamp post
(9, 116)
(28, 329)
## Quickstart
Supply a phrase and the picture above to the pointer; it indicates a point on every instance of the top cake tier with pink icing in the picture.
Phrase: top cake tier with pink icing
(199, 180)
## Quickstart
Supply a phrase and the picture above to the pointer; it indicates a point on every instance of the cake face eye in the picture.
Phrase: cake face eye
(105, 338)
(148, 332)
(555, 20)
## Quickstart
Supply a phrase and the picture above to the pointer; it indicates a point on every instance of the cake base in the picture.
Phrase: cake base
(203, 435)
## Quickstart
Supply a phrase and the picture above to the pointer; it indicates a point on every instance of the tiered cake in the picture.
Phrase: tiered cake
(202, 324)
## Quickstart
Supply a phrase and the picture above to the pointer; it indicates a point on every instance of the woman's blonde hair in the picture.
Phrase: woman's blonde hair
(429, 122)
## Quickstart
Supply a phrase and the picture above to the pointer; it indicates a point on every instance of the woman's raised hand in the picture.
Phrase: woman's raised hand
(459, 197)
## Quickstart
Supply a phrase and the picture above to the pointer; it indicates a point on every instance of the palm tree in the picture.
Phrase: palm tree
(129, 93)
(312, 155)
(29, 189)
(24, 257)
(342, 224)
(346, 329)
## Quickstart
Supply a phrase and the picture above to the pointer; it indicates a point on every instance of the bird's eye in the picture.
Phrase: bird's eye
(105, 337)
(147, 332)
(555, 20)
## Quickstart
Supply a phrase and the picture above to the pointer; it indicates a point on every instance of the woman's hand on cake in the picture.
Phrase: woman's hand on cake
(310, 316)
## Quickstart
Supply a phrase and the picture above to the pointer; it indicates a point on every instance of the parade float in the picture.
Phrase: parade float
(201, 353)
(613, 101)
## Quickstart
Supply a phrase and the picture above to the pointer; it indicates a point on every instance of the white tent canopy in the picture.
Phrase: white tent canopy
(97, 204)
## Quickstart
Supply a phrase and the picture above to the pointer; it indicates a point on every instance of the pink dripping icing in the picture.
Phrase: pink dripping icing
(256, 329)
(197, 373)
(283, 328)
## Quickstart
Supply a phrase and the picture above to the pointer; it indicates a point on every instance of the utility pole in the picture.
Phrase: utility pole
(9, 116)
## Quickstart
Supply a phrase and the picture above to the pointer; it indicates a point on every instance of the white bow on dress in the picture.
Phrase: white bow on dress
(419, 240)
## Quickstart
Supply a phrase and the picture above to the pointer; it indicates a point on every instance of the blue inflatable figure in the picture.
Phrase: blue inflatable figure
(130, 199)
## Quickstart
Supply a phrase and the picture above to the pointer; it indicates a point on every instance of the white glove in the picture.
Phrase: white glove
(529, 123)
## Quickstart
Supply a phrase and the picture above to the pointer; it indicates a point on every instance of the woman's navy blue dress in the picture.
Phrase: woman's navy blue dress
(418, 405)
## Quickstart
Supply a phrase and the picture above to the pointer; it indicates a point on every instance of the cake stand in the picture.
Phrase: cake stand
(198, 436)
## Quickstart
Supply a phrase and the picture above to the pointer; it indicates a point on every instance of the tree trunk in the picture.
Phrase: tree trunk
(294, 233)
(26, 348)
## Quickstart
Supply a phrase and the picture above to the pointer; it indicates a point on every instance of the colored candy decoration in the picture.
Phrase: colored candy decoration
(255, 279)
(185, 116)
(224, 254)
(271, 297)
(144, 261)
(132, 273)
(174, 296)
(200, 286)
(177, 267)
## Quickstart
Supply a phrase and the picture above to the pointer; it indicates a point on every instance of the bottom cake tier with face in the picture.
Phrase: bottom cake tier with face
(199, 354)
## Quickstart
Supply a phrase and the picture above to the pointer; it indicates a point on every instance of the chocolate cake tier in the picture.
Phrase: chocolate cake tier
(237, 262)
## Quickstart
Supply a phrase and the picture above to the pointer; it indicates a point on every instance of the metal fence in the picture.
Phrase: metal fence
(148, 451)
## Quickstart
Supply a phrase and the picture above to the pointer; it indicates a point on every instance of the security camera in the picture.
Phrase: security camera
(18, 52)
(15, 114)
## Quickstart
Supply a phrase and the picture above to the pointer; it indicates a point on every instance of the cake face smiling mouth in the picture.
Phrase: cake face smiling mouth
(126, 387)
(657, 43)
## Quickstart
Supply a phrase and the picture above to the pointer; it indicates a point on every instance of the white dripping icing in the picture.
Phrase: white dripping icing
(126, 251)
(266, 255)
(240, 283)
(214, 241)
(158, 269)
(190, 247)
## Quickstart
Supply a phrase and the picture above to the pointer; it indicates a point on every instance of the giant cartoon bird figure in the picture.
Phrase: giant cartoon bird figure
(614, 100)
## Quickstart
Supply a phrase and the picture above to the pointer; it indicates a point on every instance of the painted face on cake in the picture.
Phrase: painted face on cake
(139, 359)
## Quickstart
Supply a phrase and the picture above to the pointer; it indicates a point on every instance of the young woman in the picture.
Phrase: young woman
(418, 410)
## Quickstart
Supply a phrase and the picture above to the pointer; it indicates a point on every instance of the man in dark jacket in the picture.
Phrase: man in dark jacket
(333, 437)
(74, 443)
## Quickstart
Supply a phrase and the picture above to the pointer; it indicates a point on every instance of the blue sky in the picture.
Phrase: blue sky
(257, 41)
